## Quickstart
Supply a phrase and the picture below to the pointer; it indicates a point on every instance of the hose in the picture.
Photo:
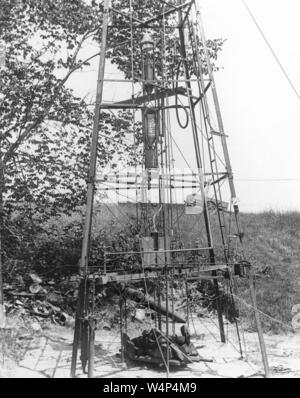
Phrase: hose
(185, 125)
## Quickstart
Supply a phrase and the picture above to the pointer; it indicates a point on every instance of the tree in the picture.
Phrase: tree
(40, 118)
(120, 50)
(44, 128)
(38, 112)
(41, 121)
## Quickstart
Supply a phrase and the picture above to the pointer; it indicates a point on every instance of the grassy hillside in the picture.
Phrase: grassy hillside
(272, 243)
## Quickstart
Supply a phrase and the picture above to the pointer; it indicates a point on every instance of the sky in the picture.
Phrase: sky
(260, 110)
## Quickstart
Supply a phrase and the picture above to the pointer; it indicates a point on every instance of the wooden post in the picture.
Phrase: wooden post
(121, 328)
(187, 302)
(78, 327)
(92, 329)
(258, 326)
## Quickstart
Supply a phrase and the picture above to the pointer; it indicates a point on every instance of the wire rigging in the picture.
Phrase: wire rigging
(272, 50)
(182, 125)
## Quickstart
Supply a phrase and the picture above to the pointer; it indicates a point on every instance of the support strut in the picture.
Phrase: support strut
(85, 328)
(200, 168)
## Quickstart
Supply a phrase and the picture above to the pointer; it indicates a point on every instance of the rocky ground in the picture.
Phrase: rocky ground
(46, 353)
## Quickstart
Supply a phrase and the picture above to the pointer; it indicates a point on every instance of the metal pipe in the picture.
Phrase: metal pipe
(93, 160)
(140, 297)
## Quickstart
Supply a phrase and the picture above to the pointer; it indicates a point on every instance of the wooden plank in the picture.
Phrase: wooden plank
(194, 273)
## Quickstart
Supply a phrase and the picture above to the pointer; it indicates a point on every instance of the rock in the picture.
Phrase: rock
(35, 278)
(140, 315)
(36, 327)
(35, 288)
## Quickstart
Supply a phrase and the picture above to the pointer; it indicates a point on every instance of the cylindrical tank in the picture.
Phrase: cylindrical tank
(150, 127)
(148, 62)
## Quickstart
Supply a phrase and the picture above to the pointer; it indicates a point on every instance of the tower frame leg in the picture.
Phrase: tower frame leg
(83, 267)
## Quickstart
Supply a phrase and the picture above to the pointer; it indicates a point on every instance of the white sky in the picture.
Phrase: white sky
(260, 110)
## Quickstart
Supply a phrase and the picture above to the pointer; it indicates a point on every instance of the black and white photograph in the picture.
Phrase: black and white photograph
(149, 192)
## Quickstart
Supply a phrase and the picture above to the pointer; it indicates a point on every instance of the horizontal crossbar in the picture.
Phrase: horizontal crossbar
(114, 277)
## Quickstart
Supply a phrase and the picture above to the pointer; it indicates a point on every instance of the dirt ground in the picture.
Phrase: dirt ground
(48, 355)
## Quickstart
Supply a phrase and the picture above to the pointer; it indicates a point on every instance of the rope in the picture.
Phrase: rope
(195, 331)
(181, 153)
(183, 126)
(120, 211)
(229, 341)
(214, 337)
(263, 313)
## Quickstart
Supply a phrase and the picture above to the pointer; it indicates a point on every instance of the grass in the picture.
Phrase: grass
(271, 242)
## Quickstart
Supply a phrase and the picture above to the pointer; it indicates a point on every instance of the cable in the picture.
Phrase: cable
(263, 313)
(271, 49)
(267, 179)
(181, 153)
(183, 126)
(120, 211)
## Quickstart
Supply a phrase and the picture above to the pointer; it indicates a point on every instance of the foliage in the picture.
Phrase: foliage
(54, 246)
(167, 56)
(45, 128)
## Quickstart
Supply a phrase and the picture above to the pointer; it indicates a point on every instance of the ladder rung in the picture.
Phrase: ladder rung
(218, 134)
